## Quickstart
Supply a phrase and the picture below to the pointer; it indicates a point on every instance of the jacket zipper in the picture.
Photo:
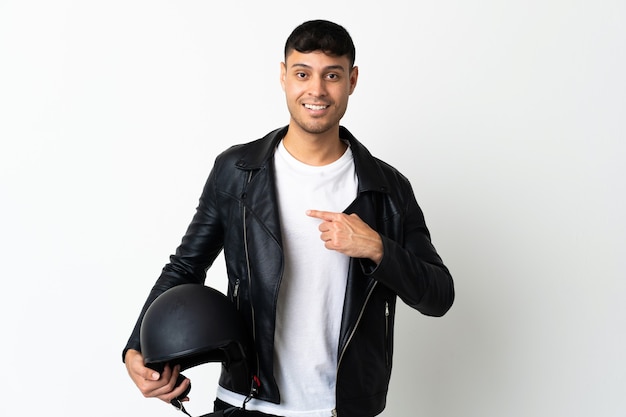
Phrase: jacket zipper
(358, 320)
(236, 292)
(255, 384)
(387, 333)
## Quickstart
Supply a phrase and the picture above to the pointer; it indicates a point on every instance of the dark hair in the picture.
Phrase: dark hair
(321, 35)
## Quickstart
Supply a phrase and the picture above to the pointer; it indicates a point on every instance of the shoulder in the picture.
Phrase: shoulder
(373, 172)
(252, 154)
(390, 172)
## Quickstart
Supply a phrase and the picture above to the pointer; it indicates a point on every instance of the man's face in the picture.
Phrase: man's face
(317, 87)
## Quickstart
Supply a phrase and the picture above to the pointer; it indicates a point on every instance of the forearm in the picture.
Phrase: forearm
(411, 266)
(423, 283)
(199, 247)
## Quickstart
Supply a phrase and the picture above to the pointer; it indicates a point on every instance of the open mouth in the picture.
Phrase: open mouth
(315, 106)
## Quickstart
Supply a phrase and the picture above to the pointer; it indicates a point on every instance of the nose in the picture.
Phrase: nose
(317, 87)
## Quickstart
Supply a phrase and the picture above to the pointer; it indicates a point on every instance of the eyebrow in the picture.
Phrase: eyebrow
(330, 67)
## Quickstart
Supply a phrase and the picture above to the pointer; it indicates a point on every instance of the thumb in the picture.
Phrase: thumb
(134, 361)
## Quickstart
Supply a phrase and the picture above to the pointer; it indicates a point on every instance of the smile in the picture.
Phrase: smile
(315, 107)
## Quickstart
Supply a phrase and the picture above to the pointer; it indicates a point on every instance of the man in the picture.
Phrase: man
(321, 311)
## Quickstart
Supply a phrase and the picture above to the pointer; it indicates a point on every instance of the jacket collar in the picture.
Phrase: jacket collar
(368, 170)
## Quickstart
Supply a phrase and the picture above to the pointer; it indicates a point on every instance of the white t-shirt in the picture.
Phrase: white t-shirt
(312, 290)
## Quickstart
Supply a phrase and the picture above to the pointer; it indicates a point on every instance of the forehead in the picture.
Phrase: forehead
(316, 60)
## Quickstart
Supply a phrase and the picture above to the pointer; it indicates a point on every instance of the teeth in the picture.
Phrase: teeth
(314, 107)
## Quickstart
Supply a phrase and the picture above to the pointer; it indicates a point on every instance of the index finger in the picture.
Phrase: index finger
(323, 215)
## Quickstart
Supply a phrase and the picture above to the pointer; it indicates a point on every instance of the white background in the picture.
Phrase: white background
(507, 116)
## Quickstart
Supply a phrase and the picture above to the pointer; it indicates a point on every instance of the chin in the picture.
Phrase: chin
(316, 128)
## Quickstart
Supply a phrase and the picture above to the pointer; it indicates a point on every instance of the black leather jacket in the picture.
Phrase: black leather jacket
(238, 213)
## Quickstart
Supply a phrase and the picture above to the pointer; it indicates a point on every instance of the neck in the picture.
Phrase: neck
(314, 149)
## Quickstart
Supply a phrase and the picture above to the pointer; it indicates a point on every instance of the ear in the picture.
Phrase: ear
(283, 74)
(354, 76)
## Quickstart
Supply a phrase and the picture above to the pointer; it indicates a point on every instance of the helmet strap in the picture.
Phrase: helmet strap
(178, 404)
(254, 390)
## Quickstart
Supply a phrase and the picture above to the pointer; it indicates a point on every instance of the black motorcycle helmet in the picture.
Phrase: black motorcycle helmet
(193, 324)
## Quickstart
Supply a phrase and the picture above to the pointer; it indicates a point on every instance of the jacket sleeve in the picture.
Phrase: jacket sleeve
(411, 266)
(200, 246)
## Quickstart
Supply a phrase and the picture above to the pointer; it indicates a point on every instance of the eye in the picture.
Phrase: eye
(300, 75)
(332, 76)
